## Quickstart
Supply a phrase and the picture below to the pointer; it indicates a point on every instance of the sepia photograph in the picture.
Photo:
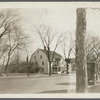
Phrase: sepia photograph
(49, 48)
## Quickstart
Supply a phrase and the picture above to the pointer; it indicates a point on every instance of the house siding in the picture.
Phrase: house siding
(40, 58)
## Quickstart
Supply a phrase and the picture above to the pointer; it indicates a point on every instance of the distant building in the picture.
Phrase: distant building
(40, 58)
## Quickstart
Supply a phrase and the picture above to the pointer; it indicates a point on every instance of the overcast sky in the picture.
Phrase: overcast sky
(60, 19)
(60, 16)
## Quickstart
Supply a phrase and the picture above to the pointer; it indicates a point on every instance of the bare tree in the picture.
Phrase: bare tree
(47, 36)
(81, 66)
(84, 49)
(3, 47)
(93, 48)
(68, 50)
(16, 41)
(8, 18)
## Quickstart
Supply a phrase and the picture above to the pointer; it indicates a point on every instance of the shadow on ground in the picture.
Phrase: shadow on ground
(66, 83)
(95, 88)
(59, 91)
(55, 91)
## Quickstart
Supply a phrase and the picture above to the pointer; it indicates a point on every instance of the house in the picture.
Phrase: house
(40, 58)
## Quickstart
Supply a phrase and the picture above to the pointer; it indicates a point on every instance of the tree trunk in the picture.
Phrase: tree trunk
(17, 61)
(67, 67)
(27, 66)
(7, 63)
(81, 66)
(49, 61)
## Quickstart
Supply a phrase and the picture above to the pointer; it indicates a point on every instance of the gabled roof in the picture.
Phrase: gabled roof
(56, 55)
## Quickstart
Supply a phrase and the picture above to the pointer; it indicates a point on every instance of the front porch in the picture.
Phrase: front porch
(57, 69)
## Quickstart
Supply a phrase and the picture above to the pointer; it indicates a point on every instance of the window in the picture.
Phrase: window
(58, 69)
(54, 69)
(57, 62)
(42, 62)
(35, 57)
(38, 51)
(41, 56)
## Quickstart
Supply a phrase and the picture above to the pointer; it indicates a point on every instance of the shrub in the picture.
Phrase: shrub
(22, 67)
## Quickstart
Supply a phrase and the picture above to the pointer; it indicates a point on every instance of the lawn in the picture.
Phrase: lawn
(37, 84)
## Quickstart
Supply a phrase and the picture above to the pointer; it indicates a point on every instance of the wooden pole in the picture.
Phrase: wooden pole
(81, 66)
(27, 66)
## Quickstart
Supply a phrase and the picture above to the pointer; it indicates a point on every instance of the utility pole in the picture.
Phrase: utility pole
(27, 65)
(81, 65)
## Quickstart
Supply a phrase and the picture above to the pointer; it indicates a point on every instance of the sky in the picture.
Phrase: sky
(60, 16)
(60, 19)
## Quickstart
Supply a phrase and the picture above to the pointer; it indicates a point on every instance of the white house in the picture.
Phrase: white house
(40, 58)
